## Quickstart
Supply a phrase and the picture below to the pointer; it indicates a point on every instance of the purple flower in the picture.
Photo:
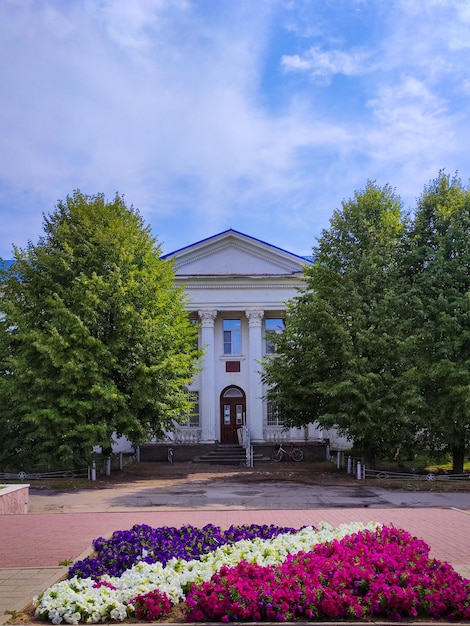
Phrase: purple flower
(151, 545)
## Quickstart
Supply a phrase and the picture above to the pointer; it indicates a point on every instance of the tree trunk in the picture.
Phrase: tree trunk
(369, 460)
(458, 458)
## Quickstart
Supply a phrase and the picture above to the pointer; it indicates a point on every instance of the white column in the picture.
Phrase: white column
(207, 392)
(254, 410)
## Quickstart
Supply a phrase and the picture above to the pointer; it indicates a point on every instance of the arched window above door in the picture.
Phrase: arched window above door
(233, 392)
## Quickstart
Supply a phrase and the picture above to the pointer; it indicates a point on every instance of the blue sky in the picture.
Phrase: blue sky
(257, 115)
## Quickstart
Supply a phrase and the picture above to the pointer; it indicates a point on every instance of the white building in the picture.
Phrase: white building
(237, 287)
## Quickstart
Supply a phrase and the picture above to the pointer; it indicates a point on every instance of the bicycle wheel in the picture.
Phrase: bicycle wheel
(276, 455)
(297, 454)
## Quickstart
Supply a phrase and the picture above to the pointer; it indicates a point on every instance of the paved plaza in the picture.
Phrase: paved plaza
(61, 527)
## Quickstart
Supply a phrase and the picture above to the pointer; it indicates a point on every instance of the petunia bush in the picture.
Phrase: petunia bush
(353, 571)
(158, 545)
(80, 599)
(151, 606)
(384, 574)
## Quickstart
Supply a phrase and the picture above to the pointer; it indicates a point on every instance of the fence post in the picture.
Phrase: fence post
(358, 470)
(328, 455)
(349, 464)
(93, 471)
(338, 459)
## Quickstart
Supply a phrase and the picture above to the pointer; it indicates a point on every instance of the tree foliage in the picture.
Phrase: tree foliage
(94, 336)
(378, 343)
(339, 360)
(438, 264)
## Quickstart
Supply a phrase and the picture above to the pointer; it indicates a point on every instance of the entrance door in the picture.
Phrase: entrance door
(232, 413)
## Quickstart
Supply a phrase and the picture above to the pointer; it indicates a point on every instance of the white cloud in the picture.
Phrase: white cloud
(325, 63)
(408, 106)
(414, 135)
(170, 103)
(130, 106)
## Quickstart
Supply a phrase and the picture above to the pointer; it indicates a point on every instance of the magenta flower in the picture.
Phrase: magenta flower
(152, 605)
(386, 574)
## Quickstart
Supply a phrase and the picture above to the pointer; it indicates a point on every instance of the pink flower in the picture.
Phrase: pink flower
(386, 574)
(103, 583)
(152, 605)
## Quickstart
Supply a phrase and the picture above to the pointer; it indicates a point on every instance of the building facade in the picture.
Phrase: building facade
(237, 288)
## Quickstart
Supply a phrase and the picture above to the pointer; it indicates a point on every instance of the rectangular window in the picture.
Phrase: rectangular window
(193, 416)
(232, 337)
(272, 325)
(273, 418)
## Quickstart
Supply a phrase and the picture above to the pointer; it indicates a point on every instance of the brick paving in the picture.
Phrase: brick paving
(44, 540)
(33, 546)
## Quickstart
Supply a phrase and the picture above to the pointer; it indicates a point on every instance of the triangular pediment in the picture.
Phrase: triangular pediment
(234, 254)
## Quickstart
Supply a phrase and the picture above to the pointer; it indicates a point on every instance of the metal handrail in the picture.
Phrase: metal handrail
(246, 443)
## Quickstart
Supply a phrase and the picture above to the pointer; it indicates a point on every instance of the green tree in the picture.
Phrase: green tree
(94, 337)
(341, 359)
(439, 268)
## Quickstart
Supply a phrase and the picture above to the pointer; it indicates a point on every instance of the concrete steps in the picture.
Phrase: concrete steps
(227, 454)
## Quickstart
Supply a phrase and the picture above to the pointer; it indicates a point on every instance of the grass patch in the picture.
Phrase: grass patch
(446, 467)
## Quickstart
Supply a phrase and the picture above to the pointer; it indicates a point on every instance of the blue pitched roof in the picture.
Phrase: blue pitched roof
(236, 232)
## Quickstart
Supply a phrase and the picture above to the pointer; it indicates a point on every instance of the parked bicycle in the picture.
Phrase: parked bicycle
(291, 453)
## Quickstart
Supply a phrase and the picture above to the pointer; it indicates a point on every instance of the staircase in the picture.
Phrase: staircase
(226, 454)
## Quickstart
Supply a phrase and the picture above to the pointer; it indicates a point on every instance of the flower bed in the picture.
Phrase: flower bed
(260, 573)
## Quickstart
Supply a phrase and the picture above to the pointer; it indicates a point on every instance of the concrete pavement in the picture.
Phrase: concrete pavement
(225, 492)
(61, 527)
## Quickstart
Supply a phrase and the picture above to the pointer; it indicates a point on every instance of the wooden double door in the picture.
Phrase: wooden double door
(232, 413)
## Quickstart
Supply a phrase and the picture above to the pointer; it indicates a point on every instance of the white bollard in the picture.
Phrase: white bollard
(338, 459)
(359, 470)
(349, 465)
(93, 471)
(108, 467)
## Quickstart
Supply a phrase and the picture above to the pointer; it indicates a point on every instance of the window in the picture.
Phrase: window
(272, 325)
(232, 337)
(193, 415)
(273, 418)
(233, 392)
